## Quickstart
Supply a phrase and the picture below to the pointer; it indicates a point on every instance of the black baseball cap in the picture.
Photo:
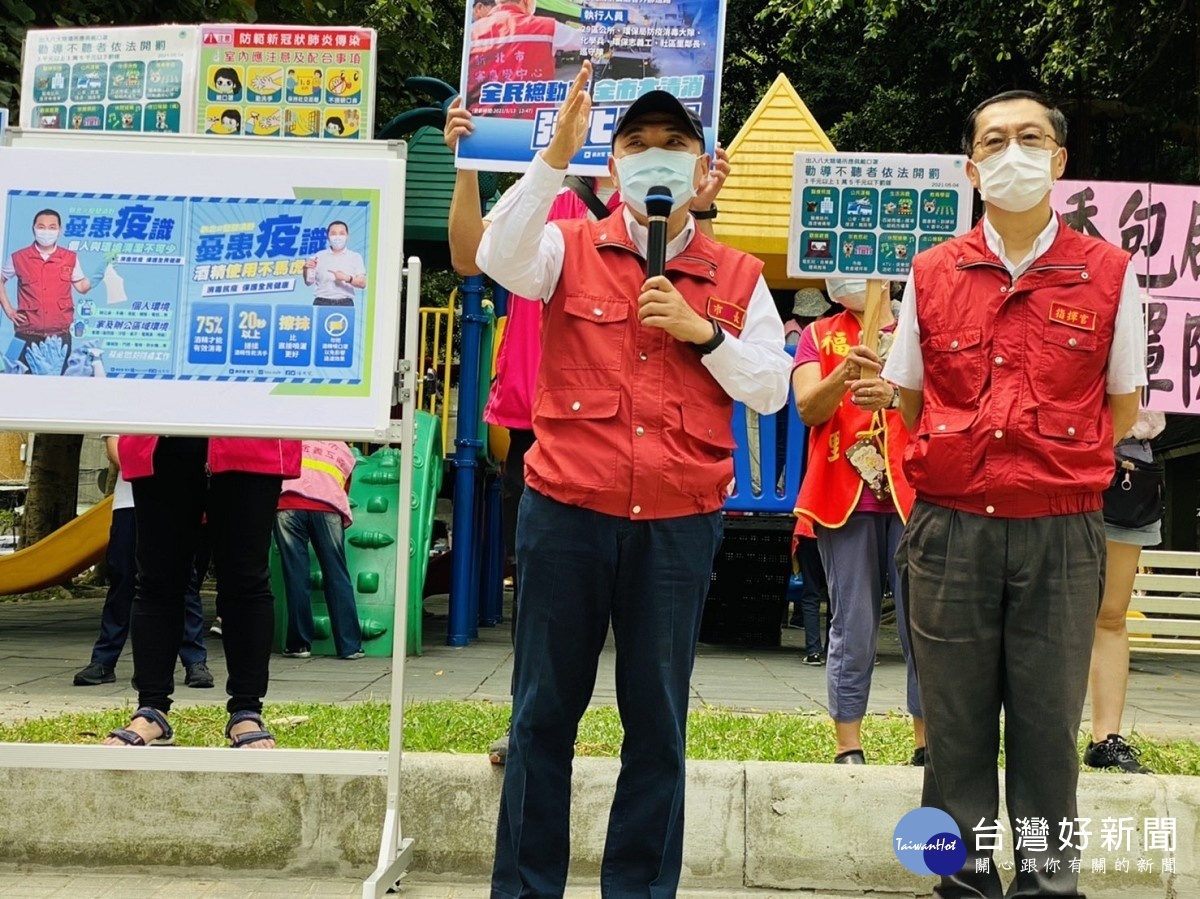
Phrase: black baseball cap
(660, 102)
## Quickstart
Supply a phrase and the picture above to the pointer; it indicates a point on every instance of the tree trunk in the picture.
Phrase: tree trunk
(53, 485)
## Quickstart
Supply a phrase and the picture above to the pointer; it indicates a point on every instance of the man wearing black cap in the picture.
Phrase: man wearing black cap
(621, 515)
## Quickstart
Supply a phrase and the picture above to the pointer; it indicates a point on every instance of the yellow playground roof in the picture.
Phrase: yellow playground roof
(756, 200)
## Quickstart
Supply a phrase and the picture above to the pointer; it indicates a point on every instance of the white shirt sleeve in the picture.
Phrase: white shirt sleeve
(8, 270)
(567, 39)
(905, 367)
(520, 249)
(1127, 355)
(77, 275)
(359, 267)
(754, 368)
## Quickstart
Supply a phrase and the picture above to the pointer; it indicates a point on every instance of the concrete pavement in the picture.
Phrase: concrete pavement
(43, 643)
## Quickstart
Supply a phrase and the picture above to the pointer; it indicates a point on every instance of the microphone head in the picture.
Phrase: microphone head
(659, 202)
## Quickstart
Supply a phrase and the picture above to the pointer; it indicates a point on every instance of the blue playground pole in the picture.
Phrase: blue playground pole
(467, 445)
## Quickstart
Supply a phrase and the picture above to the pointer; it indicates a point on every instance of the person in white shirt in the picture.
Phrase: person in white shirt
(335, 273)
(1018, 356)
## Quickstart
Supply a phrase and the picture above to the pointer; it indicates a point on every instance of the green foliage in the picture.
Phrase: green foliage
(469, 727)
(902, 74)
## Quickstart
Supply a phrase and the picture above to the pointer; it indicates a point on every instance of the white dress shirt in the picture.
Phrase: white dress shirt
(525, 254)
(1126, 358)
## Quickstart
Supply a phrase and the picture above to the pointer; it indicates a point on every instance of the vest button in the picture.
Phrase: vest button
(637, 510)
(991, 510)
(597, 311)
(1083, 275)
(1004, 289)
(1070, 432)
(999, 360)
(999, 434)
(643, 357)
(941, 427)
(640, 431)
(954, 344)
(575, 406)
(1072, 342)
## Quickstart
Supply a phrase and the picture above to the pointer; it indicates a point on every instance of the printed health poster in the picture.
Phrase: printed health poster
(185, 287)
(259, 300)
(865, 215)
(110, 79)
(518, 65)
(279, 81)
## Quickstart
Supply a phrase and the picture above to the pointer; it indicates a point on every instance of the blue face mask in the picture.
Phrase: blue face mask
(656, 167)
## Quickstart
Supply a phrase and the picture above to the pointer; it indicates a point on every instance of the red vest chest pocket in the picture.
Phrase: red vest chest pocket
(594, 332)
(1069, 357)
(957, 357)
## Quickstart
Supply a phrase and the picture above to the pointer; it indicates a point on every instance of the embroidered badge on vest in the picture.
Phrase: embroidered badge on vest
(727, 313)
(1084, 319)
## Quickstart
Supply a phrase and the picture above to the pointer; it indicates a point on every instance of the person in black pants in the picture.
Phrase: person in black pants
(233, 485)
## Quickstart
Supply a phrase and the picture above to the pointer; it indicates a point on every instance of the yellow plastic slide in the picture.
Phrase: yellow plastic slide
(78, 544)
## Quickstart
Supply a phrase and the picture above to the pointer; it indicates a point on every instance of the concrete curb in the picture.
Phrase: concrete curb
(749, 825)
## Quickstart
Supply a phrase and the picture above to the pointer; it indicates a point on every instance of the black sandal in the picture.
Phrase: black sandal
(250, 736)
(154, 716)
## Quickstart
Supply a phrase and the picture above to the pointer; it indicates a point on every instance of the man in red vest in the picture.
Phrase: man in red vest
(854, 500)
(1019, 354)
(45, 275)
(621, 515)
(513, 45)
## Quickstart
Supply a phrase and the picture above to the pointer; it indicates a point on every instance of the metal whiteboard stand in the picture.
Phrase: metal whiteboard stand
(395, 849)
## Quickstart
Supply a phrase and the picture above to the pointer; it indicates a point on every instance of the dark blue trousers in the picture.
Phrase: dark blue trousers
(118, 604)
(578, 571)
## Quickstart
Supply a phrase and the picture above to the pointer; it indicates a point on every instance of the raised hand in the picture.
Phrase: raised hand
(458, 124)
(574, 119)
(706, 193)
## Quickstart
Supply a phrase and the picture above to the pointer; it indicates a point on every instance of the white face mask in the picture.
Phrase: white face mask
(675, 170)
(337, 241)
(1017, 179)
(850, 292)
(46, 237)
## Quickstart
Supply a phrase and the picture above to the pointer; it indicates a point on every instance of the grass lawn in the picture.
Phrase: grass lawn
(468, 728)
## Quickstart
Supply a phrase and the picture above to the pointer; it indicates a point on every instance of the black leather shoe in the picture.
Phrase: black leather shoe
(850, 757)
(94, 675)
(918, 757)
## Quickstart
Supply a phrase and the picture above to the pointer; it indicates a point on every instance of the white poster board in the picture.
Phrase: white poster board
(211, 305)
(110, 79)
(865, 215)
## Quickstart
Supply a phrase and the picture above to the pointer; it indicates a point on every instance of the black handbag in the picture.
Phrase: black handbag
(1136, 496)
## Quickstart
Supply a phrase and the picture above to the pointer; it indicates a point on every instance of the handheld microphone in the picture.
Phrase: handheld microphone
(658, 209)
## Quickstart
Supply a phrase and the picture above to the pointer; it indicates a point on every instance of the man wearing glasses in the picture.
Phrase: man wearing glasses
(1019, 353)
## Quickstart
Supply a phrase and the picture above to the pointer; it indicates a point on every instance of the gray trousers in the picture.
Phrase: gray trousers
(1002, 613)
(858, 558)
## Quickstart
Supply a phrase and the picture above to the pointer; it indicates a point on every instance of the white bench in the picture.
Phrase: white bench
(1170, 600)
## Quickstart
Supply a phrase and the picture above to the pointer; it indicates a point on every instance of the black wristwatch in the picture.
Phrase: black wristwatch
(713, 342)
(709, 213)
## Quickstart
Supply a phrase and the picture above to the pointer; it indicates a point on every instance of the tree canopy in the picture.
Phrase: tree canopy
(896, 75)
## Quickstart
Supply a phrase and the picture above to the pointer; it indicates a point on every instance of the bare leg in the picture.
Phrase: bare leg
(1109, 674)
(849, 735)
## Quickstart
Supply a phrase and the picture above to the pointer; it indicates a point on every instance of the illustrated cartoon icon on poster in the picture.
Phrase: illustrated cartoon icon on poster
(225, 83)
(224, 121)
